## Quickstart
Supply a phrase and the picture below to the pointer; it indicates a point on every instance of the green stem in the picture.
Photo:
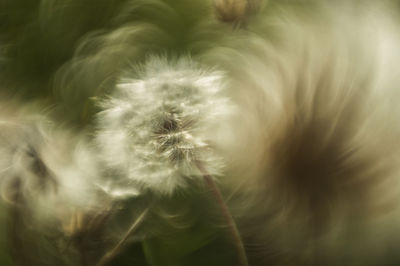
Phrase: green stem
(114, 251)
(230, 222)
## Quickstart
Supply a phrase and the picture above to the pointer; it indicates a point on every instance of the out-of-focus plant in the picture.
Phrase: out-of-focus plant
(155, 133)
(202, 132)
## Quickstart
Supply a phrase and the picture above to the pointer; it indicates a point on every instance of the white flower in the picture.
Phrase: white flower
(155, 128)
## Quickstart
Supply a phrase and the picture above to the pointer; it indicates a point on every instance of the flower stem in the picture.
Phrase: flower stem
(114, 251)
(233, 230)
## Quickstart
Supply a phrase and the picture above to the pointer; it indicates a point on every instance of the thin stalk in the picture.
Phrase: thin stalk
(230, 222)
(114, 251)
(18, 251)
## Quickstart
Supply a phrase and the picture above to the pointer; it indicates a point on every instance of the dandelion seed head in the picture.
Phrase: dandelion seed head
(155, 127)
(43, 170)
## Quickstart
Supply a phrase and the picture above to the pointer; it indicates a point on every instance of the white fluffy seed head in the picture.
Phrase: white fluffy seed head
(44, 171)
(156, 127)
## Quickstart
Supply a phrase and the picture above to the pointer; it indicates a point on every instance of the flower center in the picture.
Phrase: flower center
(174, 139)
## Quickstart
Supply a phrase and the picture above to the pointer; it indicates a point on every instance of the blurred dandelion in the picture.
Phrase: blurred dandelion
(47, 176)
(311, 145)
(155, 129)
